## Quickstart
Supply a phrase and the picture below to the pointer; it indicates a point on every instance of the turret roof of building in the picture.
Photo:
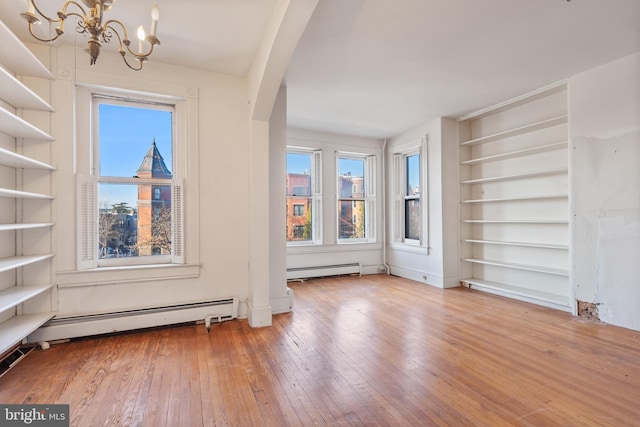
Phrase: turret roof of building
(153, 164)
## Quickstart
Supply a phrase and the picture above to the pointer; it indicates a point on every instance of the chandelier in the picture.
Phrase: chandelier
(99, 32)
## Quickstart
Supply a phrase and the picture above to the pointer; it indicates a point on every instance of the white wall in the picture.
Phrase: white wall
(216, 203)
(437, 266)
(369, 255)
(604, 112)
(279, 296)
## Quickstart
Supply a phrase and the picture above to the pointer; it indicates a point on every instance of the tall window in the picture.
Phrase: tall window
(137, 216)
(356, 196)
(408, 221)
(412, 198)
(303, 196)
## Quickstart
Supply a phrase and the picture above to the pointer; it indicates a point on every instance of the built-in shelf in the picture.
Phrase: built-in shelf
(14, 227)
(5, 192)
(534, 268)
(14, 160)
(514, 192)
(516, 176)
(527, 98)
(14, 329)
(517, 199)
(19, 67)
(16, 57)
(517, 153)
(523, 244)
(516, 221)
(517, 131)
(13, 125)
(11, 263)
(17, 94)
(548, 299)
(18, 294)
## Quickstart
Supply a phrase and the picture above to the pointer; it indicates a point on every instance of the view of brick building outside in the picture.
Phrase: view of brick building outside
(154, 206)
(350, 212)
(298, 207)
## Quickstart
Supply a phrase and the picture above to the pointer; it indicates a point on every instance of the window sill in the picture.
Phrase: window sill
(406, 247)
(126, 274)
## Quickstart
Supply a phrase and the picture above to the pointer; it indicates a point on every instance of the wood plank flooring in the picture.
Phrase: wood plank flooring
(375, 350)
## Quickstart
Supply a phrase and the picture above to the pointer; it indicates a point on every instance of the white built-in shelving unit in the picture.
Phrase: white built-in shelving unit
(515, 199)
(26, 288)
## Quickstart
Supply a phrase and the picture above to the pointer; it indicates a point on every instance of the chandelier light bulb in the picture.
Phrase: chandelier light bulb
(141, 37)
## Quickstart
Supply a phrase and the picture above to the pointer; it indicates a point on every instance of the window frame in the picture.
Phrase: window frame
(368, 197)
(88, 179)
(400, 184)
(315, 196)
(155, 183)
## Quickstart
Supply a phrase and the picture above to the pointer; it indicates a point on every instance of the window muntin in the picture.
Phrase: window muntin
(134, 152)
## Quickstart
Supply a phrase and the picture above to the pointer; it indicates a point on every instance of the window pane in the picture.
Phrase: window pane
(351, 219)
(131, 222)
(412, 219)
(125, 135)
(298, 219)
(298, 210)
(413, 175)
(351, 178)
(298, 174)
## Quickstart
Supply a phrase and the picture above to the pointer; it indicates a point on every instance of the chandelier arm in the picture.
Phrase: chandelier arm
(82, 23)
(115, 21)
(35, 36)
(66, 5)
(140, 62)
(125, 40)
(124, 43)
(62, 16)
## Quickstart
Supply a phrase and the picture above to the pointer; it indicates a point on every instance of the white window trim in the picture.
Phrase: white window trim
(399, 186)
(186, 113)
(369, 198)
(175, 182)
(316, 195)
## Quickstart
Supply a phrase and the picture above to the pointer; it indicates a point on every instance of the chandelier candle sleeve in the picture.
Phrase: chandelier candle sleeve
(155, 14)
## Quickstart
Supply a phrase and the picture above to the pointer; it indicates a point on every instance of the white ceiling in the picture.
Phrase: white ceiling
(376, 68)
(216, 35)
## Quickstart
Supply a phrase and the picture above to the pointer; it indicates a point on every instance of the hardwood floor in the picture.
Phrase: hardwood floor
(376, 350)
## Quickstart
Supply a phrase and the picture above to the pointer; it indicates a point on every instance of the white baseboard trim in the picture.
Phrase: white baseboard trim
(282, 304)
(417, 275)
(259, 316)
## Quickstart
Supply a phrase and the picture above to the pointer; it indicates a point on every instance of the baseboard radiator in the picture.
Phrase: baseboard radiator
(95, 324)
(323, 270)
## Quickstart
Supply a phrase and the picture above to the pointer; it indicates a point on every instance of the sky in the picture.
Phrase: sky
(413, 172)
(125, 135)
